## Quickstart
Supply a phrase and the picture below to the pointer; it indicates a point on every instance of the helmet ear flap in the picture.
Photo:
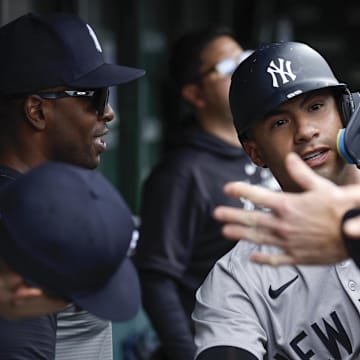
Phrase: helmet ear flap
(348, 103)
(348, 138)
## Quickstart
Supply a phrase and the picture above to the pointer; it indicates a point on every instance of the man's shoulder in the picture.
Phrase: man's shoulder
(180, 164)
(237, 260)
(238, 263)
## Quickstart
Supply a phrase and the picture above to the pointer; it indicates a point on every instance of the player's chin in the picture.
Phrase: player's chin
(94, 163)
(94, 157)
(328, 172)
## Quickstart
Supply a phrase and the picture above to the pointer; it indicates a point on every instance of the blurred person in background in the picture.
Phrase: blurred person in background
(179, 239)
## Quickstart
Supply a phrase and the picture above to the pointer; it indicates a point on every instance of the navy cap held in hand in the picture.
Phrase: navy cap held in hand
(67, 230)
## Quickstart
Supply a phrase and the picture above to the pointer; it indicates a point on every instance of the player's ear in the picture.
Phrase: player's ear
(252, 150)
(192, 94)
(34, 112)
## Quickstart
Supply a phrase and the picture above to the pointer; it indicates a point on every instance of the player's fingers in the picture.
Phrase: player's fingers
(234, 232)
(303, 175)
(272, 259)
(25, 291)
(244, 217)
(256, 235)
(352, 227)
(258, 195)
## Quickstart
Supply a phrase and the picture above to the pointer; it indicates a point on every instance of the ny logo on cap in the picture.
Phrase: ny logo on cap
(283, 71)
(93, 35)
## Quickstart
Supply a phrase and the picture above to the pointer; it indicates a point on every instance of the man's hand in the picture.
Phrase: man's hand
(20, 301)
(305, 225)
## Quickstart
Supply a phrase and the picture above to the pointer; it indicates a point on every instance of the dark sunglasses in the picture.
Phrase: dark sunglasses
(99, 97)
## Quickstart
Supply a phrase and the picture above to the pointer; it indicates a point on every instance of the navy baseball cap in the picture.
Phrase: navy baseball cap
(56, 49)
(67, 230)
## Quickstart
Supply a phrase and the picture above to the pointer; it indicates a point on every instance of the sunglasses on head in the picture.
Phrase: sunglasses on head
(99, 97)
(227, 66)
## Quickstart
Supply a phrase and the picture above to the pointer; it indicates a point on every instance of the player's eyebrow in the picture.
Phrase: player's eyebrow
(275, 112)
(309, 96)
(306, 98)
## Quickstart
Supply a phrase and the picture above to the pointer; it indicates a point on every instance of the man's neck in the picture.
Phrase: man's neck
(350, 175)
(224, 130)
(22, 151)
(20, 164)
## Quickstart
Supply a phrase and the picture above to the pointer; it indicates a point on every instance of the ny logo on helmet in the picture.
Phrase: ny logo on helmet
(283, 71)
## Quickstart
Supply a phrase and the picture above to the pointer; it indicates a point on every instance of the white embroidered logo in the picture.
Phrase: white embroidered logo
(285, 76)
(93, 35)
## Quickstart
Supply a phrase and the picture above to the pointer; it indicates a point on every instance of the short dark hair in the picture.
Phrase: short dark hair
(185, 56)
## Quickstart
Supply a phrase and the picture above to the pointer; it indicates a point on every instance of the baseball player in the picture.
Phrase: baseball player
(284, 98)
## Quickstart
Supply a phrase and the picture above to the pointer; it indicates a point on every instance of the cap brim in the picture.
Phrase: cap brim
(107, 75)
(118, 300)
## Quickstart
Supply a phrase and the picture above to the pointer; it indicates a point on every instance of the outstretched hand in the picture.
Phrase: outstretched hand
(305, 225)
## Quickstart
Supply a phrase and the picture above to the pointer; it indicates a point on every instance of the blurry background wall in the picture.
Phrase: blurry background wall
(139, 33)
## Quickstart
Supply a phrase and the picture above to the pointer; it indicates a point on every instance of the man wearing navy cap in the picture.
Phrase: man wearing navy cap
(54, 107)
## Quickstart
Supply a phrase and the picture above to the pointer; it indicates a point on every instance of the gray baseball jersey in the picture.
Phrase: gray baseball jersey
(82, 336)
(287, 312)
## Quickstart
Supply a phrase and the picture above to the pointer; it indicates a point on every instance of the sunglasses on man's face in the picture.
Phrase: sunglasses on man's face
(99, 97)
(224, 67)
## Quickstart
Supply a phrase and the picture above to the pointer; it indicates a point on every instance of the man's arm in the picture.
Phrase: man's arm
(162, 254)
(228, 313)
(307, 225)
(163, 306)
(19, 300)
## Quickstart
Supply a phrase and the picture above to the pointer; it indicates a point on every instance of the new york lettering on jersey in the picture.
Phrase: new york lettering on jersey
(331, 333)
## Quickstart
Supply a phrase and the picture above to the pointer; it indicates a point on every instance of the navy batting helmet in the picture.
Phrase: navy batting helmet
(273, 74)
